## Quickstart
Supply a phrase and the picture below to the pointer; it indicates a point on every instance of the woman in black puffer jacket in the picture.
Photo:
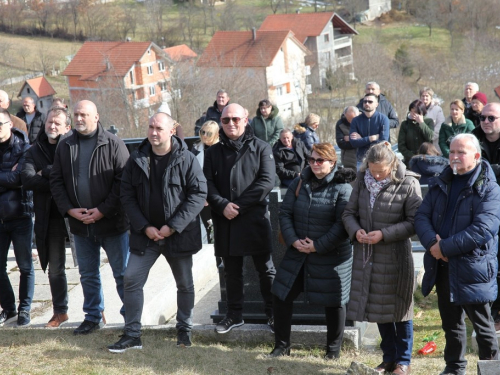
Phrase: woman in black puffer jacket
(319, 256)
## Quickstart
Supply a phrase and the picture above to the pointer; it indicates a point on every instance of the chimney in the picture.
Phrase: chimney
(254, 33)
(297, 11)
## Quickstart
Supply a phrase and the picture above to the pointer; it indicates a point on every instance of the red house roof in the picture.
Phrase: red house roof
(240, 49)
(306, 24)
(90, 61)
(40, 86)
(180, 53)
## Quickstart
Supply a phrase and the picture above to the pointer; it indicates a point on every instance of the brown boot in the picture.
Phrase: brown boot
(57, 320)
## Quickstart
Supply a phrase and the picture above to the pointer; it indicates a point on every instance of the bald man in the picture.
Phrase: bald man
(240, 173)
(85, 184)
(34, 119)
(16, 121)
(161, 170)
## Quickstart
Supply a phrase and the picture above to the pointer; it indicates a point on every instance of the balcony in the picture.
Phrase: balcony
(344, 61)
(342, 42)
(281, 79)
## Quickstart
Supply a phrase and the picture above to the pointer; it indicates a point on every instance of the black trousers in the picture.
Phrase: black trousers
(233, 274)
(283, 311)
(452, 317)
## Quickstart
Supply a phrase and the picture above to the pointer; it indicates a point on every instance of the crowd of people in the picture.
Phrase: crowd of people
(346, 223)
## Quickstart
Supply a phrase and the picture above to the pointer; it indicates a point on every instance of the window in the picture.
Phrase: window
(40, 104)
(279, 90)
(28, 90)
(161, 66)
(150, 70)
(131, 77)
(152, 90)
(163, 85)
(326, 38)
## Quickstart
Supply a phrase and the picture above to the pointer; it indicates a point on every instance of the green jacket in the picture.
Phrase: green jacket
(267, 129)
(449, 130)
(412, 135)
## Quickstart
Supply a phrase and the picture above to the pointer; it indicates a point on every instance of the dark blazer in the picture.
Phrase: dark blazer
(250, 180)
(317, 214)
(184, 192)
(106, 165)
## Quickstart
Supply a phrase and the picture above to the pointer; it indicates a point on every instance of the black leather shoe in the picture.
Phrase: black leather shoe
(332, 355)
(279, 352)
(86, 327)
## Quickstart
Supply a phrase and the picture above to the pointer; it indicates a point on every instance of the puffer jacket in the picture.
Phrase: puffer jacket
(428, 166)
(317, 214)
(15, 201)
(268, 129)
(472, 246)
(383, 274)
(307, 135)
(347, 153)
(412, 135)
(184, 194)
(449, 129)
(386, 108)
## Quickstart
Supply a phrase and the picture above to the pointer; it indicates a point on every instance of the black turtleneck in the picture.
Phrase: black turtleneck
(87, 144)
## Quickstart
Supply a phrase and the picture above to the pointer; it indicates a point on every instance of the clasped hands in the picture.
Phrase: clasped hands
(156, 234)
(305, 246)
(435, 250)
(371, 238)
(231, 211)
(86, 216)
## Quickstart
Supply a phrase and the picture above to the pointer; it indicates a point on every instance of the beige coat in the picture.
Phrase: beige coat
(382, 284)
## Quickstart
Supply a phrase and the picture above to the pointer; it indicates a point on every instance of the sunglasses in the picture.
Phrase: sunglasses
(235, 120)
(318, 161)
(490, 118)
(368, 101)
(208, 134)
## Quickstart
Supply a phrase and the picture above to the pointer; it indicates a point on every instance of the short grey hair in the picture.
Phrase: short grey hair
(469, 137)
(285, 130)
(222, 91)
(474, 85)
(373, 83)
(351, 108)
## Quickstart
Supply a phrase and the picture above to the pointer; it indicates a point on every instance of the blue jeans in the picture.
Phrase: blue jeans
(397, 341)
(20, 233)
(136, 276)
(88, 254)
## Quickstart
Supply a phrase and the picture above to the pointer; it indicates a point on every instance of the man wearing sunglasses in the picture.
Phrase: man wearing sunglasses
(384, 106)
(240, 173)
(368, 128)
(489, 138)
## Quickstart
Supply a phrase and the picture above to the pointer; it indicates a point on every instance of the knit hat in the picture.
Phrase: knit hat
(481, 97)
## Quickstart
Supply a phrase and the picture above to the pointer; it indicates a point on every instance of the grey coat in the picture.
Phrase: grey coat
(382, 283)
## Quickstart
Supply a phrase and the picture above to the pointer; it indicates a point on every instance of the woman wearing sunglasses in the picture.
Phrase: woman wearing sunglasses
(318, 259)
(209, 135)
(379, 219)
(455, 124)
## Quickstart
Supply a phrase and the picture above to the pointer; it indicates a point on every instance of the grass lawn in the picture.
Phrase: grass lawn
(26, 351)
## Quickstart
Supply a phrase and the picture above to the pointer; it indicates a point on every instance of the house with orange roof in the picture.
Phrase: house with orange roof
(40, 90)
(255, 65)
(127, 80)
(325, 34)
(180, 53)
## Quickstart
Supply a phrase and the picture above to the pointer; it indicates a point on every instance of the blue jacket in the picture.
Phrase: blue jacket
(428, 166)
(472, 246)
(308, 136)
(364, 126)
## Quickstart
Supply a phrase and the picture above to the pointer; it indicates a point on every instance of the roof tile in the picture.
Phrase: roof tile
(180, 53)
(40, 86)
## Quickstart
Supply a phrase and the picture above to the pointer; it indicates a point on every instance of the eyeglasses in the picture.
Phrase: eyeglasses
(490, 118)
(368, 101)
(235, 120)
(4, 123)
(318, 161)
(208, 134)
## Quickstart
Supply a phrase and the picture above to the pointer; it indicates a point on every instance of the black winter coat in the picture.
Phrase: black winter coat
(251, 179)
(184, 193)
(15, 201)
(386, 108)
(289, 162)
(485, 152)
(428, 166)
(38, 159)
(106, 166)
(213, 114)
(317, 214)
(37, 124)
(348, 152)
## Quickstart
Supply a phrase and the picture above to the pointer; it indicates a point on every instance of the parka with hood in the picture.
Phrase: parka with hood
(306, 134)
(268, 129)
(428, 166)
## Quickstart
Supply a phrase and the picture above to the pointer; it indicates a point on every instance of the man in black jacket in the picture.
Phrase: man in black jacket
(240, 173)
(290, 156)
(85, 184)
(34, 119)
(50, 229)
(163, 190)
(16, 225)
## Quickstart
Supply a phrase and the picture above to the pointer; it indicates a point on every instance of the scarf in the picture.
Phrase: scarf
(374, 186)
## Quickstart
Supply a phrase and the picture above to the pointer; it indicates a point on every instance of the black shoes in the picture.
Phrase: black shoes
(331, 355)
(279, 351)
(7, 317)
(87, 327)
(23, 319)
(227, 324)
(125, 343)
(184, 339)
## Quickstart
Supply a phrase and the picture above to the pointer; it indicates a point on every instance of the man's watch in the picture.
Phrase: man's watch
(172, 231)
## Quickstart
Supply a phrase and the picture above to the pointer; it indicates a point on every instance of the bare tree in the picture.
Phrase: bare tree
(275, 5)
